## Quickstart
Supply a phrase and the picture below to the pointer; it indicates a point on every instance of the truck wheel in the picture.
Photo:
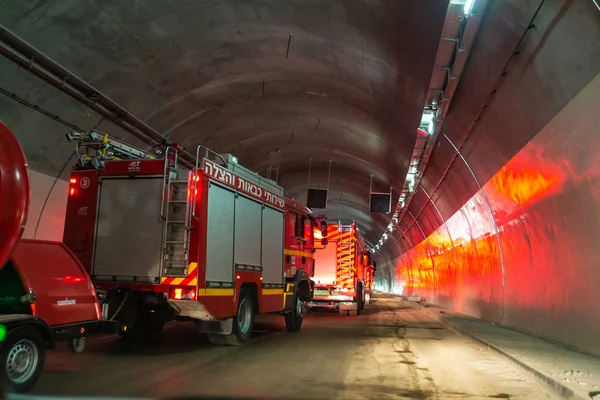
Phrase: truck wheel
(22, 356)
(359, 301)
(77, 345)
(364, 299)
(293, 320)
(243, 322)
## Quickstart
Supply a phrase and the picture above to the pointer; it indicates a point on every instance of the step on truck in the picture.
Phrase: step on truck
(45, 294)
(213, 242)
(344, 273)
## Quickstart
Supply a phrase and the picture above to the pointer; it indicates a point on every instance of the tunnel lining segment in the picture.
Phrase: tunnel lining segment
(480, 114)
(489, 208)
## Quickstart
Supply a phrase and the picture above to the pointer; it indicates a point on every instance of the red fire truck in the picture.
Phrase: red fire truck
(214, 243)
(344, 272)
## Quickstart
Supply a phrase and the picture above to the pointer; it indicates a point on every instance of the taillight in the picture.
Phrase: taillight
(72, 191)
(182, 293)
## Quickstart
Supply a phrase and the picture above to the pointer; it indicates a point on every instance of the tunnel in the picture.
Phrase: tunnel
(481, 118)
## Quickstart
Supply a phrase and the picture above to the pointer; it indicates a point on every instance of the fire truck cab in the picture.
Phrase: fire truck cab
(344, 272)
(212, 242)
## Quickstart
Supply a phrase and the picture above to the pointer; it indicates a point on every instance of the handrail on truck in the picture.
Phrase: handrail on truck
(207, 151)
(166, 170)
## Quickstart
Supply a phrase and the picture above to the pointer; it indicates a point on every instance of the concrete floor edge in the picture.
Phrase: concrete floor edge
(546, 380)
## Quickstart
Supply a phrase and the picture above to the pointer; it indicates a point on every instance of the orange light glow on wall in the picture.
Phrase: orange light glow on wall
(530, 177)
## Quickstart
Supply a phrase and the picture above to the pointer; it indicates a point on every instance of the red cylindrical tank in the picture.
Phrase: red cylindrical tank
(14, 193)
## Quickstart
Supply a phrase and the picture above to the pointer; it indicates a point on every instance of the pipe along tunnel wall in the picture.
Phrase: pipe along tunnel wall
(518, 247)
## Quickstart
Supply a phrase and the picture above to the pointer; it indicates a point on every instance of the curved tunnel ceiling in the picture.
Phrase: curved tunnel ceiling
(276, 83)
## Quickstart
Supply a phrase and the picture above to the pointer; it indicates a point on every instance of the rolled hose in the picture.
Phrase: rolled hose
(14, 193)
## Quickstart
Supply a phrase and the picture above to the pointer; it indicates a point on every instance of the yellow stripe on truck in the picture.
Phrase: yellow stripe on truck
(298, 253)
(272, 291)
(216, 292)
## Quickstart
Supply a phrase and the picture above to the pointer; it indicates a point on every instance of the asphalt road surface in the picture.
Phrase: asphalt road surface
(390, 352)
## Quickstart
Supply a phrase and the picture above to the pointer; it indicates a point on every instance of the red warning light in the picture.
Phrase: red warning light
(73, 180)
(178, 293)
(72, 191)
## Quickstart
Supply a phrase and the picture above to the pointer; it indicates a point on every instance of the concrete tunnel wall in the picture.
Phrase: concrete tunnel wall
(510, 234)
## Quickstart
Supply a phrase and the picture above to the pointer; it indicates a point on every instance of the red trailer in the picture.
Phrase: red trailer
(214, 243)
(344, 272)
(45, 293)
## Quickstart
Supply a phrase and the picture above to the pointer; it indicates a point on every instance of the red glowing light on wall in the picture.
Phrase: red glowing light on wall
(530, 177)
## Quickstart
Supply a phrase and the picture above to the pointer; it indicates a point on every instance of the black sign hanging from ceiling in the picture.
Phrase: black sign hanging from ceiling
(381, 203)
(317, 198)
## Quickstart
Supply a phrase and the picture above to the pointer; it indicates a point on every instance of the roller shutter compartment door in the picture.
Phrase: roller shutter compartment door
(272, 246)
(220, 234)
(129, 228)
(248, 221)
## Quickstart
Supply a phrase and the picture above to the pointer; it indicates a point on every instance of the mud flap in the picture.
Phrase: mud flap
(190, 308)
(218, 327)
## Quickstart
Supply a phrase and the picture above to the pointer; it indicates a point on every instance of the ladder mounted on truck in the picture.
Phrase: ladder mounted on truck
(345, 255)
(92, 149)
(176, 212)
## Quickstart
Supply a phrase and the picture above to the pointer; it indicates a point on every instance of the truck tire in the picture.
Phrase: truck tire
(359, 301)
(77, 345)
(22, 356)
(294, 319)
(364, 299)
(243, 322)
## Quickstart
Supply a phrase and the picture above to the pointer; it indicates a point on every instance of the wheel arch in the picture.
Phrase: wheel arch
(17, 321)
(303, 285)
(253, 288)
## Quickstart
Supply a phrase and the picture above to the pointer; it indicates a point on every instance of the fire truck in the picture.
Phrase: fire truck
(344, 273)
(211, 242)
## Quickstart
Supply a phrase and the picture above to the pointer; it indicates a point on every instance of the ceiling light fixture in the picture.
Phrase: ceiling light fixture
(467, 5)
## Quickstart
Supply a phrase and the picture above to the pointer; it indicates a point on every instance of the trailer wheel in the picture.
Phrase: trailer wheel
(243, 322)
(77, 345)
(22, 356)
(294, 319)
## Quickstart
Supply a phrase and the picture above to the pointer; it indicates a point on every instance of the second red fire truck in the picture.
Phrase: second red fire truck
(214, 243)
(344, 272)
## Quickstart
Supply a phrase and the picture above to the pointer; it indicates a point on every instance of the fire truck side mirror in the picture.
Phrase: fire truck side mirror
(324, 228)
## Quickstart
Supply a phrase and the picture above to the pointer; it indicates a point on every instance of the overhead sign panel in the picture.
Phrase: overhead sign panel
(317, 198)
(380, 203)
